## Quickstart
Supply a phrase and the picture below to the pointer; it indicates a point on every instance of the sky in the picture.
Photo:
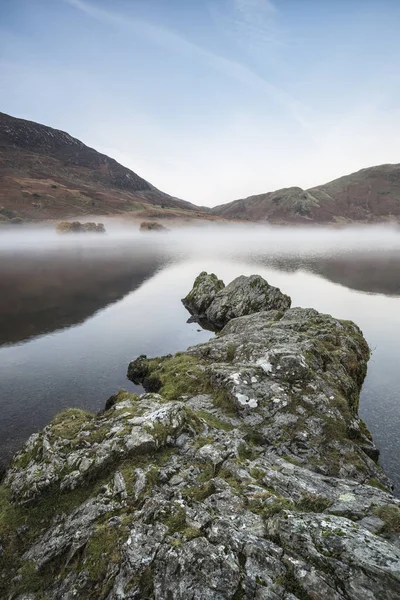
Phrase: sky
(211, 100)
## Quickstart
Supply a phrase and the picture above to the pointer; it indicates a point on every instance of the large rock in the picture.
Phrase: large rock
(152, 226)
(205, 288)
(78, 227)
(213, 303)
(248, 475)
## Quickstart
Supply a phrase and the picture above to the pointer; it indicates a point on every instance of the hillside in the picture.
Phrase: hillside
(45, 174)
(368, 196)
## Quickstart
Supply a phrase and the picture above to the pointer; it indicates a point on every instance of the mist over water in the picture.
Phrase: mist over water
(74, 310)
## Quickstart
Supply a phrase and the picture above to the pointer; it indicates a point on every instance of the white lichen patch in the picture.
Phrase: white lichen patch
(347, 498)
(264, 364)
(246, 401)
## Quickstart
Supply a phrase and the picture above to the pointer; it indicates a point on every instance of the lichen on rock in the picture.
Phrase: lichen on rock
(210, 301)
(244, 471)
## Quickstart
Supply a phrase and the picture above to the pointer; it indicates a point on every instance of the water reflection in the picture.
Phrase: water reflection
(138, 282)
(44, 291)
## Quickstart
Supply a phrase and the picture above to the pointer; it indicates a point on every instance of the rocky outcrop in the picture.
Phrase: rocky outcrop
(210, 302)
(199, 299)
(78, 227)
(244, 471)
(152, 226)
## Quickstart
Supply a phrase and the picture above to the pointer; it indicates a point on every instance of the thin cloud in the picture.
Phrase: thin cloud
(168, 39)
(256, 21)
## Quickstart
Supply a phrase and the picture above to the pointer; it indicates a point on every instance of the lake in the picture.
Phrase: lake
(75, 310)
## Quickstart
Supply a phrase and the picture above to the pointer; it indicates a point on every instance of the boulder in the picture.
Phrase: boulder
(152, 226)
(215, 305)
(78, 227)
(199, 299)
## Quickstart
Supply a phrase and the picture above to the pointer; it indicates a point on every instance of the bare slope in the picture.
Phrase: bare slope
(45, 173)
(370, 195)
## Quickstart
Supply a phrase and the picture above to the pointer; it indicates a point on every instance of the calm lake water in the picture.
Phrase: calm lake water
(75, 310)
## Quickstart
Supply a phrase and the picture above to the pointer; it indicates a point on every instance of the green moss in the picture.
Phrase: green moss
(292, 460)
(257, 473)
(376, 484)
(291, 584)
(67, 424)
(207, 472)
(271, 507)
(203, 440)
(312, 503)
(103, 548)
(179, 375)
(98, 434)
(328, 532)
(176, 522)
(36, 519)
(391, 516)
(230, 352)
(190, 533)
(214, 421)
(334, 429)
(223, 400)
(122, 396)
(156, 459)
(229, 476)
(30, 579)
(152, 476)
(199, 493)
(22, 460)
(246, 452)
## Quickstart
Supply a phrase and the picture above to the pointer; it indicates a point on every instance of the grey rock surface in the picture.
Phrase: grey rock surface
(205, 288)
(213, 303)
(249, 475)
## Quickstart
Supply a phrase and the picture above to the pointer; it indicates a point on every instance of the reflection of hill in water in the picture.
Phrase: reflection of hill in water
(375, 273)
(40, 293)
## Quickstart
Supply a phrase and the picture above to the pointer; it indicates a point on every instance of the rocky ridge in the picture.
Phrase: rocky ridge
(370, 195)
(243, 471)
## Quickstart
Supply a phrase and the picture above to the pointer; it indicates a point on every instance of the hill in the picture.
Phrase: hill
(368, 196)
(46, 173)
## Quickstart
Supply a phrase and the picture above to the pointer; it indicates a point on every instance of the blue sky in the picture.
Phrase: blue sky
(211, 100)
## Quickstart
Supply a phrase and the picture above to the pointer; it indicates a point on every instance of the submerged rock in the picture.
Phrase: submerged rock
(247, 475)
(213, 303)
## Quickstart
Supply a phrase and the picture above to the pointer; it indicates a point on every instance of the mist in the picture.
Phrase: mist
(212, 238)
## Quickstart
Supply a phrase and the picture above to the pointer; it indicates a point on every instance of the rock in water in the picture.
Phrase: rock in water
(214, 304)
(78, 227)
(152, 226)
(199, 299)
(248, 475)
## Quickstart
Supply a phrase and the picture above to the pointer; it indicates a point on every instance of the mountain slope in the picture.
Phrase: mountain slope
(370, 195)
(46, 173)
